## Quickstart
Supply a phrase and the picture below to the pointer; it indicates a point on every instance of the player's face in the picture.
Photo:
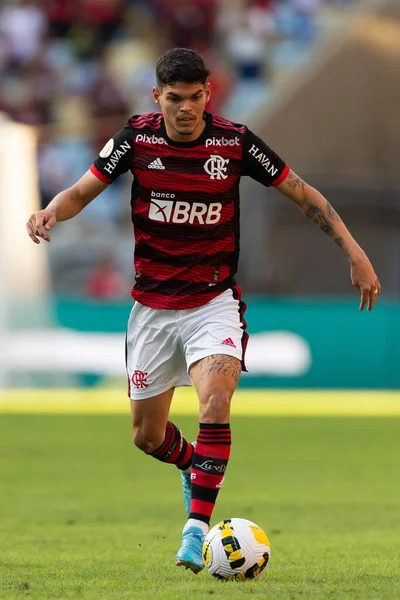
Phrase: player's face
(183, 105)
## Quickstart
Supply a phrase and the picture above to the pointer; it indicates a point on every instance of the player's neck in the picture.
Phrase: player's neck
(177, 137)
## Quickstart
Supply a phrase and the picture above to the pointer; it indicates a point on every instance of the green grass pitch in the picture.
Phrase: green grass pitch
(83, 514)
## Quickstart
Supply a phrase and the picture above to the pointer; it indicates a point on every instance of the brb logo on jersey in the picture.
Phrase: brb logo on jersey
(215, 167)
(170, 211)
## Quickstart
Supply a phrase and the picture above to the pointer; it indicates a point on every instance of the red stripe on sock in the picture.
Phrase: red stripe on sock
(174, 456)
(169, 436)
(222, 433)
(202, 507)
(206, 480)
(187, 456)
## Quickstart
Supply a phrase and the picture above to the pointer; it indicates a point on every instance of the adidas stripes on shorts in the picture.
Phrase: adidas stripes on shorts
(161, 345)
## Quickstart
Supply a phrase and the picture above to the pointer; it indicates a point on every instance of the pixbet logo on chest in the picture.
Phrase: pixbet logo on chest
(170, 211)
(150, 139)
(222, 141)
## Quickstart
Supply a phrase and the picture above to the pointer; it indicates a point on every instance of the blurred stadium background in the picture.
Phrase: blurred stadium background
(317, 79)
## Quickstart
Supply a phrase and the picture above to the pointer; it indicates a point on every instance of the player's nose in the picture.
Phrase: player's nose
(186, 106)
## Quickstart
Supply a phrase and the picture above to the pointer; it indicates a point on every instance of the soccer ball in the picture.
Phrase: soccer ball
(236, 549)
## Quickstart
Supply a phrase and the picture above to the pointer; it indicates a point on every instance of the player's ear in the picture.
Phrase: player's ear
(156, 95)
(207, 91)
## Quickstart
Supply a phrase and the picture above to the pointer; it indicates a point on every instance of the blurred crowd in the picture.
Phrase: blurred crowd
(77, 69)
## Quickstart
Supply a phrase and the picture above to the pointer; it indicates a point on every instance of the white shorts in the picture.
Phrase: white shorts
(161, 345)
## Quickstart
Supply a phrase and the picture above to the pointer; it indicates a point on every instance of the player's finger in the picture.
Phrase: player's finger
(46, 237)
(372, 296)
(39, 229)
(364, 299)
(50, 224)
(29, 229)
(40, 233)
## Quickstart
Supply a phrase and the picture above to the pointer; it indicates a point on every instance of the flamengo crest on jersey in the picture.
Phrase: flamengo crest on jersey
(215, 167)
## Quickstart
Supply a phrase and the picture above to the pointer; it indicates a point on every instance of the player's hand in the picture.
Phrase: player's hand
(364, 277)
(40, 223)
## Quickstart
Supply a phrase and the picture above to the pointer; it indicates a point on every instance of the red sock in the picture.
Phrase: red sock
(174, 449)
(209, 463)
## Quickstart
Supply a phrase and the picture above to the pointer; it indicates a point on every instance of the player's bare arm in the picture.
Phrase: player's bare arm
(66, 205)
(317, 208)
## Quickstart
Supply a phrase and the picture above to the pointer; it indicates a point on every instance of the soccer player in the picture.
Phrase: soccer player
(187, 323)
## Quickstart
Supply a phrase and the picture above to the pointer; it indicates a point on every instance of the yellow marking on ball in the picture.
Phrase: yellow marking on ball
(261, 564)
(206, 554)
(260, 535)
(234, 555)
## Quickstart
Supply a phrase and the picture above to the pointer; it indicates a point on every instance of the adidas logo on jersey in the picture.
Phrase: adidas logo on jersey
(229, 342)
(156, 164)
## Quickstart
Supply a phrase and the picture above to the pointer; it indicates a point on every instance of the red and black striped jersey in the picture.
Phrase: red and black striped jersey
(185, 204)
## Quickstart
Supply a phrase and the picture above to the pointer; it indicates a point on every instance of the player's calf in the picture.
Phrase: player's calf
(174, 449)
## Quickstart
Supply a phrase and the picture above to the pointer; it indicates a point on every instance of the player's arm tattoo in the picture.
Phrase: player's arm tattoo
(325, 218)
(294, 182)
(228, 366)
(316, 208)
(340, 242)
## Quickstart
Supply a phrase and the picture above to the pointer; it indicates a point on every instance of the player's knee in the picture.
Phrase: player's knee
(216, 407)
(145, 442)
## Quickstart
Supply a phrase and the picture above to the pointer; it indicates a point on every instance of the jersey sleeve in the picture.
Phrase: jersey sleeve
(116, 157)
(261, 163)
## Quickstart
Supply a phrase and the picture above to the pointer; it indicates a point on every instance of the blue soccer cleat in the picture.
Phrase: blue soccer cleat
(187, 490)
(190, 553)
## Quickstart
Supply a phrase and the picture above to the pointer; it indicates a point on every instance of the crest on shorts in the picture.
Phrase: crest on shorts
(139, 379)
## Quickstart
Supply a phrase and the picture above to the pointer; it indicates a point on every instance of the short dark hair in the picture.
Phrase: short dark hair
(180, 64)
